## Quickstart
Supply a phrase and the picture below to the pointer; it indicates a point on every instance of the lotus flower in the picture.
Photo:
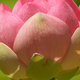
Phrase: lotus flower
(50, 28)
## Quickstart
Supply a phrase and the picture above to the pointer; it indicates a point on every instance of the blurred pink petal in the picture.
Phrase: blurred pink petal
(47, 4)
(3, 6)
(19, 4)
(24, 1)
(42, 34)
(79, 23)
(74, 7)
(52, 3)
(28, 10)
(9, 26)
(43, 3)
(63, 11)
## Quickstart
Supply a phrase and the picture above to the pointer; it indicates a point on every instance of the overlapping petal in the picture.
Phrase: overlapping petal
(10, 65)
(3, 6)
(43, 3)
(18, 5)
(47, 4)
(28, 10)
(9, 26)
(74, 7)
(63, 11)
(53, 3)
(42, 34)
(72, 58)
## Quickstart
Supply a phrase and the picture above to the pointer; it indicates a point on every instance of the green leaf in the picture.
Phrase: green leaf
(78, 72)
(27, 79)
(77, 77)
(40, 69)
(3, 76)
(66, 75)
(9, 3)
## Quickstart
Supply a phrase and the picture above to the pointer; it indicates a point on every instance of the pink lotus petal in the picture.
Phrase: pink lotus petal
(43, 3)
(9, 26)
(63, 11)
(74, 7)
(18, 5)
(47, 4)
(79, 7)
(42, 34)
(28, 10)
(24, 1)
(52, 3)
(4, 7)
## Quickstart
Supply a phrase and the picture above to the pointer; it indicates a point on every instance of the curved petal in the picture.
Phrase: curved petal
(10, 65)
(9, 26)
(72, 58)
(74, 7)
(3, 6)
(42, 34)
(63, 11)
(52, 3)
(47, 4)
(3, 76)
(43, 3)
(28, 10)
(17, 6)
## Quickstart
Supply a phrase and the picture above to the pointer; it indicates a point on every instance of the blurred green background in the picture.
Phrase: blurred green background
(11, 3)
(77, 2)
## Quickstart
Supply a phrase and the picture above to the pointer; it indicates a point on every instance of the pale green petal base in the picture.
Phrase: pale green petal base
(10, 65)
(38, 67)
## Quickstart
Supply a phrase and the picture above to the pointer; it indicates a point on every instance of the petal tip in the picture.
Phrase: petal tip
(4, 7)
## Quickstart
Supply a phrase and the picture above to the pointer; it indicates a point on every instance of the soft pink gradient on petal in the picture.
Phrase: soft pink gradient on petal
(24, 1)
(52, 3)
(3, 6)
(28, 10)
(47, 4)
(79, 23)
(43, 34)
(9, 26)
(43, 3)
(63, 11)
(74, 7)
(19, 4)
(79, 7)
